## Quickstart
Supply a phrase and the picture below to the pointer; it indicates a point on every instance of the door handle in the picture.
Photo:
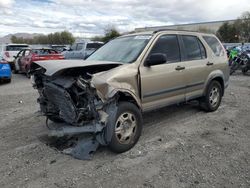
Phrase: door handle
(179, 68)
(209, 63)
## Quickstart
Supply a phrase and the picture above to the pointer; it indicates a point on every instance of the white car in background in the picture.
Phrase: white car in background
(8, 51)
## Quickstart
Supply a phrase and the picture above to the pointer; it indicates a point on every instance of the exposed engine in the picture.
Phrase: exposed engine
(69, 99)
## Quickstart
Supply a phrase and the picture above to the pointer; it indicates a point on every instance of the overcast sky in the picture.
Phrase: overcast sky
(87, 18)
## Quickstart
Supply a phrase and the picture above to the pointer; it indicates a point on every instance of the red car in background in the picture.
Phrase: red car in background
(25, 57)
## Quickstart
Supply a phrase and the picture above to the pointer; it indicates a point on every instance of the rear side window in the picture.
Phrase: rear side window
(15, 47)
(214, 44)
(168, 44)
(193, 49)
(94, 45)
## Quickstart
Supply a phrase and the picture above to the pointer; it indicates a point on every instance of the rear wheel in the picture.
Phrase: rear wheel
(211, 101)
(244, 70)
(27, 72)
(127, 127)
(15, 69)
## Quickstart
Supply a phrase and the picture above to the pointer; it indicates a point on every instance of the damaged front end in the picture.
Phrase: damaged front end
(73, 109)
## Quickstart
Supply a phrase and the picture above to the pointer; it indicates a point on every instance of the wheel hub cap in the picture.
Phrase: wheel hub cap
(214, 96)
(125, 127)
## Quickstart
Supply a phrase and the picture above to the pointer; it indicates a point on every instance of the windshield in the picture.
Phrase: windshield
(124, 49)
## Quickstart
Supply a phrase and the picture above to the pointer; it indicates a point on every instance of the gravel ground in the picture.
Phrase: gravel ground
(180, 146)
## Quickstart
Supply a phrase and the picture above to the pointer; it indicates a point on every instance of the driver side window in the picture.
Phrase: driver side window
(168, 45)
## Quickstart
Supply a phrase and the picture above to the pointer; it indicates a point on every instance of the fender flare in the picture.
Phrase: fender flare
(215, 75)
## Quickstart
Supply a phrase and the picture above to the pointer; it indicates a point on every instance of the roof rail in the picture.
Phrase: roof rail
(159, 30)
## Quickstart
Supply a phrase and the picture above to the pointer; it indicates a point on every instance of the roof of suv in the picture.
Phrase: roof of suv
(165, 30)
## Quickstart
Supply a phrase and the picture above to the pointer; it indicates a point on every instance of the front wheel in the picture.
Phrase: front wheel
(212, 99)
(127, 127)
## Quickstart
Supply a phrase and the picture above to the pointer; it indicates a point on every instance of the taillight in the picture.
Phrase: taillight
(7, 54)
(37, 58)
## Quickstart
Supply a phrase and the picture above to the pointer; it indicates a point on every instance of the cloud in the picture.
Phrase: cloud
(5, 6)
(87, 18)
(6, 3)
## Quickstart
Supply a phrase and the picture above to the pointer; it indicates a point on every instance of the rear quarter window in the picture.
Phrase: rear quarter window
(193, 48)
(94, 45)
(215, 45)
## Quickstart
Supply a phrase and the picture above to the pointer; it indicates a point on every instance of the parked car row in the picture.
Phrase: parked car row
(25, 57)
(18, 57)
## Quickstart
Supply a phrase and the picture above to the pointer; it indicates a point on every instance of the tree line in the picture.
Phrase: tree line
(64, 37)
(238, 31)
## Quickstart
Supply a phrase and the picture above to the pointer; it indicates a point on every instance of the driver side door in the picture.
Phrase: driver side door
(163, 84)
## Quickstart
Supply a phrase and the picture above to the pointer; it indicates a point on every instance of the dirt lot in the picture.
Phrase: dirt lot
(180, 146)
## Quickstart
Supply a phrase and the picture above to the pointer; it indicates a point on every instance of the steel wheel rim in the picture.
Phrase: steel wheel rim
(214, 96)
(125, 127)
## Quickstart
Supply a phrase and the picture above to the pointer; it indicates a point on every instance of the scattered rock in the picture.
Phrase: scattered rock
(53, 161)
(196, 182)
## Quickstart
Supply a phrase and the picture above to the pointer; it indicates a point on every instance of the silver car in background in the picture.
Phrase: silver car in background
(82, 49)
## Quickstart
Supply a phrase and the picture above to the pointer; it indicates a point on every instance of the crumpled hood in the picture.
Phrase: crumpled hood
(54, 66)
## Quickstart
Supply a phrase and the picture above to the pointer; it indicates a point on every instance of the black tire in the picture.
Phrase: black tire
(8, 80)
(27, 72)
(55, 119)
(116, 145)
(15, 71)
(207, 103)
(244, 70)
(27, 75)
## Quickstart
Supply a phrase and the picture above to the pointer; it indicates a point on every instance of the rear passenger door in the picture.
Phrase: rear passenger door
(163, 84)
(197, 66)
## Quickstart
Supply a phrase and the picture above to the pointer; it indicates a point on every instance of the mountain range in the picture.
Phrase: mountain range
(7, 38)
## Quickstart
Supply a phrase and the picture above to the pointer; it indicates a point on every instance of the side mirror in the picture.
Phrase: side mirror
(156, 59)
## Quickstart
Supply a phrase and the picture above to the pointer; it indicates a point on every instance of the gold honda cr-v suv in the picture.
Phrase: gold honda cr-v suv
(106, 94)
